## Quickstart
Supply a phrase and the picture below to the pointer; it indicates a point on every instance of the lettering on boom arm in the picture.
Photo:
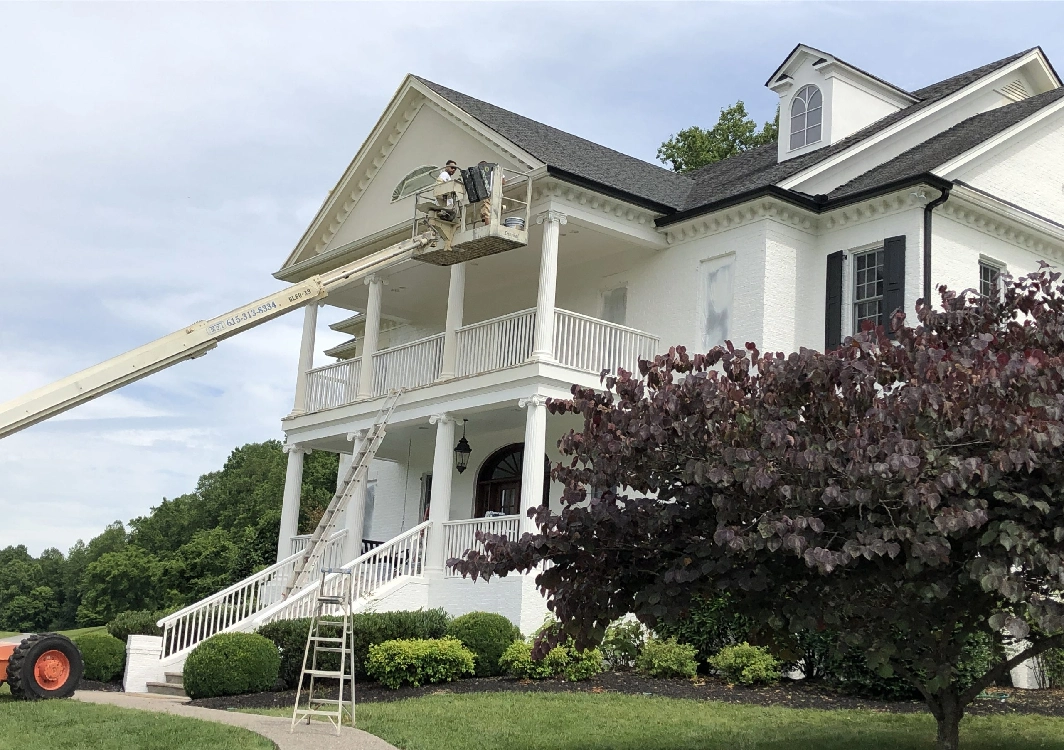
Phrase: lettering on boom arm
(251, 313)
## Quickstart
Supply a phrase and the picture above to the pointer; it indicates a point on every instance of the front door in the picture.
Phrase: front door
(499, 482)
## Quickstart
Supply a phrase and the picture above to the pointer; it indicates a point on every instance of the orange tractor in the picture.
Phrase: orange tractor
(46, 665)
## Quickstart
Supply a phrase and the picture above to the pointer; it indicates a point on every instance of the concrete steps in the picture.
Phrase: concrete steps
(174, 686)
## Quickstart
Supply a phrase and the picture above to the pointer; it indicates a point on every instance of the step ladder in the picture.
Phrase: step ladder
(360, 462)
(328, 637)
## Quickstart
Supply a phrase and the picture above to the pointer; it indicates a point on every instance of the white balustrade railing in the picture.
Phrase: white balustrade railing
(332, 385)
(333, 555)
(402, 556)
(460, 536)
(495, 344)
(594, 345)
(408, 366)
(231, 608)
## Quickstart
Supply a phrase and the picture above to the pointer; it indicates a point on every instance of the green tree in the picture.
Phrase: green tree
(734, 133)
(200, 567)
(118, 582)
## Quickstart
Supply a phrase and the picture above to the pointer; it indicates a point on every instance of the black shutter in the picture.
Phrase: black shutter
(833, 303)
(893, 278)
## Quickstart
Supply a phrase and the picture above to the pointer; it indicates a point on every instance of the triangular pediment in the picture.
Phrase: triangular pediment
(419, 129)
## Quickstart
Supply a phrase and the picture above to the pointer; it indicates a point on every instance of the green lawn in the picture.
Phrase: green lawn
(83, 631)
(70, 725)
(582, 721)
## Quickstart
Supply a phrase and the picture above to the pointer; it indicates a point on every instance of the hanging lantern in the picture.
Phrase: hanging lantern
(462, 451)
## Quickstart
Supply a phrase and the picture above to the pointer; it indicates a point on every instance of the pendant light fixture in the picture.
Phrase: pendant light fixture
(462, 451)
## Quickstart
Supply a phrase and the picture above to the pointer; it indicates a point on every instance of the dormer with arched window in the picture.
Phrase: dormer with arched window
(823, 100)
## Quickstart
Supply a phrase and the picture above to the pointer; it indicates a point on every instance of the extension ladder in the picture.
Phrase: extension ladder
(360, 462)
(328, 637)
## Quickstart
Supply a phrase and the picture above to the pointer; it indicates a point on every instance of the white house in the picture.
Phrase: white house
(872, 196)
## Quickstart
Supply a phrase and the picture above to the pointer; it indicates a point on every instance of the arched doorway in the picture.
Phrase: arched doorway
(498, 487)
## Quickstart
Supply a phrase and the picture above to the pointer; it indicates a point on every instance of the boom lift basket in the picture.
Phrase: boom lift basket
(457, 209)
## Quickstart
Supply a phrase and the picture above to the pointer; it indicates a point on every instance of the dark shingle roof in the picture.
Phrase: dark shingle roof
(685, 194)
(947, 144)
(576, 155)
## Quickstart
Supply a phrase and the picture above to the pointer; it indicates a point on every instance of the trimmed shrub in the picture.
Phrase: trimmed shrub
(103, 654)
(370, 628)
(139, 622)
(487, 635)
(231, 664)
(710, 625)
(667, 659)
(746, 664)
(622, 643)
(419, 661)
(560, 661)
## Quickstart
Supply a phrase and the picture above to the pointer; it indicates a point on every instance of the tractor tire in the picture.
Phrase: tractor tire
(46, 665)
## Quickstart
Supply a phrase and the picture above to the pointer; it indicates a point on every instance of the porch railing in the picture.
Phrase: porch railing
(580, 342)
(459, 536)
(333, 557)
(332, 385)
(231, 607)
(594, 345)
(402, 556)
(408, 366)
(495, 344)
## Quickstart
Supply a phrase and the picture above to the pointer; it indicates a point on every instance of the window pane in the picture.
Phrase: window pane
(798, 106)
(798, 139)
(815, 98)
(813, 134)
(813, 117)
(717, 301)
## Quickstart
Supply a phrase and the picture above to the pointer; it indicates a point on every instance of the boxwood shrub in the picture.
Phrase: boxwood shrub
(140, 622)
(419, 661)
(667, 659)
(370, 628)
(103, 654)
(487, 635)
(746, 664)
(561, 661)
(231, 664)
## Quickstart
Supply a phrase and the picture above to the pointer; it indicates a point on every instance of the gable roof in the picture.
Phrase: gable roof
(948, 144)
(680, 196)
(567, 154)
(825, 56)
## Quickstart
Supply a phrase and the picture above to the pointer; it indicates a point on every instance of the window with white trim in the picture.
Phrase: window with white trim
(420, 178)
(990, 279)
(868, 282)
(807, 113)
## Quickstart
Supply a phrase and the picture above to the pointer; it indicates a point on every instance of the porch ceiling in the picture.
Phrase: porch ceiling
(497, 284)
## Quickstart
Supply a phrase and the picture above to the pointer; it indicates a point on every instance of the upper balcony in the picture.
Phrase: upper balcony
(580, 342)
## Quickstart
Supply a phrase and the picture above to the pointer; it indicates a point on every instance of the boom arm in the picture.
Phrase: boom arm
(193, 341)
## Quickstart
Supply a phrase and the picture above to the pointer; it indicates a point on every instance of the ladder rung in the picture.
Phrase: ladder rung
(312, 712)
(318, 650)
(323, 673)
(323, 639)
(326, 700)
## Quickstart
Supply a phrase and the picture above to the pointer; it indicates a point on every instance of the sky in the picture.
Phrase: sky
(158, 162)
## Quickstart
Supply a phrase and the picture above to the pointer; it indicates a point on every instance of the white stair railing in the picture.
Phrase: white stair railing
(495, 344)
(234, 606)
(408, 366)
(595, 345)
(460, 536)
(332, 385)
(333, 553)
(400, 557)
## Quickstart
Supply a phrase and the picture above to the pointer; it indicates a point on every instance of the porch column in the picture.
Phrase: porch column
(535, 448)
(355, 514)
(369, 339)
(306, 357)
(543, 344)
(455, 305)
(440, 504)
(293, 486)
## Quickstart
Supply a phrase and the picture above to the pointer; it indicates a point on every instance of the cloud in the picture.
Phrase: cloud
(161, 161)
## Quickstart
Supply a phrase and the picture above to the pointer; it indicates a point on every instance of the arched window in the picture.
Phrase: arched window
(421, 177)
(498, 487)
(806, 116)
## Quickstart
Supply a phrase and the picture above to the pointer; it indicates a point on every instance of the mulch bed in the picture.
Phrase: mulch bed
(787, 694)
(106, 687)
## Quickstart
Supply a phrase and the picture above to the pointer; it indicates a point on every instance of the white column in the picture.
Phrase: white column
(293, 486)
(306, 357)
(543, 347)
(535, 448)
(455, 309)
(369, 339)
(355, 514)
(440, 502)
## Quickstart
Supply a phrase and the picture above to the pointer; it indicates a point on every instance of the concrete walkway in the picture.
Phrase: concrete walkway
(317, 736)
